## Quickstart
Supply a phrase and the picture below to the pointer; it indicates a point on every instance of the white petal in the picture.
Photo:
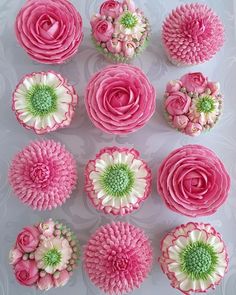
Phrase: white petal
(173, 252)
(141, 172)
(216, 243)
(100, 165)
(106, 200)
(95, 176)
(107, 158)
(186, 285)
(198, 235)
(117, 159)
(136, 164)
(52, 80)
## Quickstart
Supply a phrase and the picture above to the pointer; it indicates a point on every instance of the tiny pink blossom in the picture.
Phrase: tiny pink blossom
(129, 48)
(47, 228)
(114, 46)
(130, 4)
(214, 87)
(193, 129)
(15, 255)
(173, 86)
(180, 122)
(62, 279)
(94, 19)
(45, 283)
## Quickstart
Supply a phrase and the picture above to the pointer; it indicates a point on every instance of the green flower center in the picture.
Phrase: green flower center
(198, 260)
(117, 180)
(42, 100)
(128, 20)
(205, 104)
(52, 257)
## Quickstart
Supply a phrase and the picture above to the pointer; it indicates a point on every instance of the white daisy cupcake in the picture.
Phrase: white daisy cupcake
(117, 180)
(44, 102)
(194, 257)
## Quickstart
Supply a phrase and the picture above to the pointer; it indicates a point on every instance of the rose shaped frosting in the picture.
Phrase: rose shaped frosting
(193, 181)
(195, 82)
(120, 99)
(26, 272)
(28, 239)
(49, 30)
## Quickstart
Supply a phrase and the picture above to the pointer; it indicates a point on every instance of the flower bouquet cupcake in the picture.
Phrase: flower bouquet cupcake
(194, 258)
(118, 258)
(120, 99)
(192, 34)
(43, 175)
(44, 255)
(50, 31)
(193, 181)
(120, 31)
(44, 102)
(193, 104)
(117, 180)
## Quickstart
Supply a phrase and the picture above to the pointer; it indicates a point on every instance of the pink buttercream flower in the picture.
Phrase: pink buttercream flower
(15, 255)
(192, 34)
(114, 46)
(193, 129)
(194, 258)
(117, 181)
(194, 82)
(180, 122)
(102, 30)
(120, 99)
(49, 30)
(193, 181)
(111, 8)
(95, 18)
(173, 86)
(118, 257)
(28, 239)
(43, 175)
(26, 272)
(214, 87)
(62, 279)
(177, 103)
(45, 283)
(47, 228)
(128, 48)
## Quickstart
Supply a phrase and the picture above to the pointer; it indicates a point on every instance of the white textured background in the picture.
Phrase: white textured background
(154, 142)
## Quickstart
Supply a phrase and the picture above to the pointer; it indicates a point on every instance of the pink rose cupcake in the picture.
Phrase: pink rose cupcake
(44, 102)
(120, 99)
(117, 180)
(50, 31)
(118, 258)
(43, 175)
(44, 255)
(192, 34)
(193, 181)
(194, 258)
(120, 31)
(193, 104)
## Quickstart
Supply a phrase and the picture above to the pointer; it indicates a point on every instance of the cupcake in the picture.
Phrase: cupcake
(44, 102)
(194, 257)
(193, 104)
(44, 255)
(120, 99)
(50, 31)
(192, 34)
(117, 180)
(193, 181)
(118, 257)
(120, 31)
(43, 175)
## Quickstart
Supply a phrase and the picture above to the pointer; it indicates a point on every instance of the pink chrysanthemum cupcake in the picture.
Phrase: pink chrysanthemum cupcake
(120, 31)
(44, 255)
(117, 181)
(193, 181)
(50, 31)
(193, 104)
(192, 34)
(44, 102)
(118, 257)
(43, 175)
(194, 257)
(120, 99)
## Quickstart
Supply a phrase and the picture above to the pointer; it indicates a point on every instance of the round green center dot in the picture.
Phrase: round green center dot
(128, 20)
(42, 100)
(205, 105)
(117, 180)
(198, 260)
(52, 257)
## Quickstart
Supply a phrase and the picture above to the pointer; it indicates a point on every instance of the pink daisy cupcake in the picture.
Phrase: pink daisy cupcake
(193, 104)
(192, 34)
(118, 257)
(120, 31)
(44, 255)
(50, 31)
(44, 102)
(117, 181)
(120, 99)
(194, 257)
(193, 181)
(43, 175)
